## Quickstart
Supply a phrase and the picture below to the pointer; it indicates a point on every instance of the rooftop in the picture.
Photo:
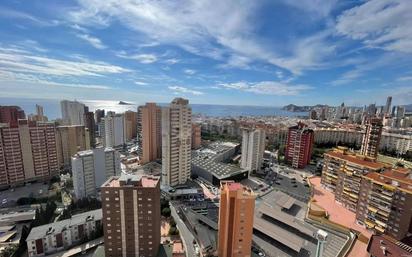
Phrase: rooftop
(59, 226)
(210, 158)
(355, 159)
(132, 180)
(234, 186)
(399, 178)
(13, 217)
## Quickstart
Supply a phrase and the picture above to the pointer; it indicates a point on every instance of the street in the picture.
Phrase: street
(185, 234)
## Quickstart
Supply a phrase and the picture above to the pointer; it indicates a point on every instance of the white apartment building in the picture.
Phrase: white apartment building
(253, 147)
(397, 142)
(72, 112)
(62, 235)
(92, 168)
(176, 142)
(114, 130)
(389, 141)
(334, 136)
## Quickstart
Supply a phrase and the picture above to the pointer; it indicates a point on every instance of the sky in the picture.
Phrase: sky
(266, 52)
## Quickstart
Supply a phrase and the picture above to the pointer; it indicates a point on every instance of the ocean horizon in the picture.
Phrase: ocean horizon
(52, 108)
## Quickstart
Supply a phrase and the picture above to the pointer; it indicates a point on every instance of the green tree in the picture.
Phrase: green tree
(166, 212)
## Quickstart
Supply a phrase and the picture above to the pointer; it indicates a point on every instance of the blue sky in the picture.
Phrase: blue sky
(264, 52)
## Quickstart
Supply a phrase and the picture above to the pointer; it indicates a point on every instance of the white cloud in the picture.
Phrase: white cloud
(184, 90)
(21, 77)
(379, 23)
(94, 41)
(13, 14)
(319, 8)
(267, 88)
(221, 30)
(405, 78)
(141, 83)
(26, 62)
(279, 74)
(172, 61)
(189, 71)
(142, 58)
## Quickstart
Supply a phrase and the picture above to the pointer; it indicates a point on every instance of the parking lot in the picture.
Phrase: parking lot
(9, 197)
(289, 181)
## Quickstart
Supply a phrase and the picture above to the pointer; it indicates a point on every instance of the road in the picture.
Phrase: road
(184, 232)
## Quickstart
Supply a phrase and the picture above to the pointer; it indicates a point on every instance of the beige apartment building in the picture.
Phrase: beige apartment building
(149, 132)
(130, 125)
(236, 212)
(70, 140)
(372, 137)
(381, 196)
(176, 142)
(131, 216)
(196, 136)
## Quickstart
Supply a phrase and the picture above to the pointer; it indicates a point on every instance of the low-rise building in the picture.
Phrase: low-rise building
(211, 163)
(62, 235)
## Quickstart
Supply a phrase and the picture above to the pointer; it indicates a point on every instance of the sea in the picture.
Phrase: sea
(52, 108)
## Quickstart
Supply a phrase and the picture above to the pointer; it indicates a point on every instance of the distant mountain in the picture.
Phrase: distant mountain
(124, 103)
(306, 108)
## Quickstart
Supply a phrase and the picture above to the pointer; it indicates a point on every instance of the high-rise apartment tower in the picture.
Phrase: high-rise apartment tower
(149, 132)
(253, 147)
(236, 212)
(131, 214)
(176, 142)
(372, 137)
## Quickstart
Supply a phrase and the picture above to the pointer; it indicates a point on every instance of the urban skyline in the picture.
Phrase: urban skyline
(337, 54)
(141, 128)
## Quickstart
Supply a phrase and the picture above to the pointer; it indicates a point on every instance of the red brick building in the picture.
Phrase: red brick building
(28, 152)
(11, 114)
(385, 246)
(299, 145)
(131, 216)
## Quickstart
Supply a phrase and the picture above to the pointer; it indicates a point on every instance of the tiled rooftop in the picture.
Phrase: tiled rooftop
(132, 180)
(359, 160)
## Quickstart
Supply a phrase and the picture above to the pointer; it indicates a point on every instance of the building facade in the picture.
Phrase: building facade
(27, 152)
(380, 196)
(62, 235)
(131, 214)
(253, 147)
(130, 124)
(72, 112)
(92, 168)
(70, 140)
(342, 174)
(299, 145)
(196, 136)
(236, 212)
(149, 132)
(90, 124)
(114, 130)
(385, 202)
(372, 137)
(11, 114)
(176, 142)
